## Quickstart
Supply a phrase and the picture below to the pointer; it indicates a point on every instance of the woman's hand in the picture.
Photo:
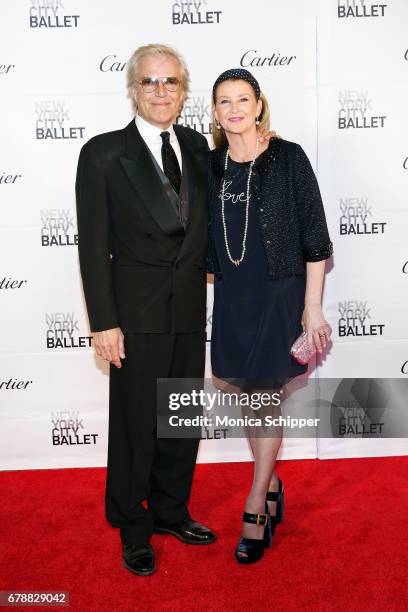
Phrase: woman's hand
(266, 135)
(318, 329)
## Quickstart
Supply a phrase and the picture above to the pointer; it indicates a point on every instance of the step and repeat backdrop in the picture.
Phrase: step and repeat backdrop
(335, 73)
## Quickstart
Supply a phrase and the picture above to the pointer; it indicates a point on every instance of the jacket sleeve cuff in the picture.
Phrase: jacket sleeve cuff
(318, 254)
(209, 266)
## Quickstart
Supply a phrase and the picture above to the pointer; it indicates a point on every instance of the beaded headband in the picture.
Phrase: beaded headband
(238, 73)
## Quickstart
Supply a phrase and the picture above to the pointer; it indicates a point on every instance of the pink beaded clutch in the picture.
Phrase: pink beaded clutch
(300, 349)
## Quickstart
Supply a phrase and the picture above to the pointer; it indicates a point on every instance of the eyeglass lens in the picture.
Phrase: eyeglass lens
(149, 84)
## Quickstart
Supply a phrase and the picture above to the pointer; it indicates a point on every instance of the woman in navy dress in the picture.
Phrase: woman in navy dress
(268, 241)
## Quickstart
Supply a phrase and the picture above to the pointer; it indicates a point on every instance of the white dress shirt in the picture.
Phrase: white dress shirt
(151, 135)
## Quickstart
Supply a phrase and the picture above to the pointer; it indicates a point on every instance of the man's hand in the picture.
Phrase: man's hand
(109, 344)
(265, 135)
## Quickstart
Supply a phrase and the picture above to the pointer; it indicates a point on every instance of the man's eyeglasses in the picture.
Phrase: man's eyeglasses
(150, 84)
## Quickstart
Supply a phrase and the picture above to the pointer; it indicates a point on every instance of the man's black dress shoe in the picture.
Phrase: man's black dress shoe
(188, 531)
(139, 559)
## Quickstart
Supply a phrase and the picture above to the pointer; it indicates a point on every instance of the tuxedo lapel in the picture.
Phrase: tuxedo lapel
(196, 190)
(189, 169)
(142, 174)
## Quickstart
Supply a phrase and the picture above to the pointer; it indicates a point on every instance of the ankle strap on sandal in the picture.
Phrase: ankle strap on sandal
(272, 496)
(275, 495)
(258, 519)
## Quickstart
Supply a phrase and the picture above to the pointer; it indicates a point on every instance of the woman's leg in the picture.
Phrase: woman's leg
(265, 445)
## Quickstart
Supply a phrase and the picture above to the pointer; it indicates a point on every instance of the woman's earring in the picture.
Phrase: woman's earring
(257, 122)
(217, 125)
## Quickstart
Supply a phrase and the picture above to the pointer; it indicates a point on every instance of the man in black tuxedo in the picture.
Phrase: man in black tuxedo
(142, 224)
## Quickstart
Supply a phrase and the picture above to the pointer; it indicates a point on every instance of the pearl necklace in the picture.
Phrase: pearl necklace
(236, 262)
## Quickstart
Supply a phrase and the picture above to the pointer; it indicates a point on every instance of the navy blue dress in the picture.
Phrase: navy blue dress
(255, 319)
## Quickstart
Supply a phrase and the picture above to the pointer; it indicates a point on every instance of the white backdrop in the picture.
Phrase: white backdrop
(335, 74)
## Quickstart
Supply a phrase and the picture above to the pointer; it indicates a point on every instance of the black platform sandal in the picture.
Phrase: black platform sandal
(250, 550)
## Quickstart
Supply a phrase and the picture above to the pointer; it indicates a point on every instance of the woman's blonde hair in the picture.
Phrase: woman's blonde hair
(218, 134)
(148, 51)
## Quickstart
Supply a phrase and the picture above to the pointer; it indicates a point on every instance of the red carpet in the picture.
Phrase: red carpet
(342, 546)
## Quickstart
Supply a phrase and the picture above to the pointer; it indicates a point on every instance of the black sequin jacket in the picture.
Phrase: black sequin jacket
(289, 207)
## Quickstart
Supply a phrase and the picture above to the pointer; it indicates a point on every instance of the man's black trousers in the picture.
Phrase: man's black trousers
(141, 466)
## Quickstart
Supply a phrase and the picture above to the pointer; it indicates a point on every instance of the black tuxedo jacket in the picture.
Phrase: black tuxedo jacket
(140, 270)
